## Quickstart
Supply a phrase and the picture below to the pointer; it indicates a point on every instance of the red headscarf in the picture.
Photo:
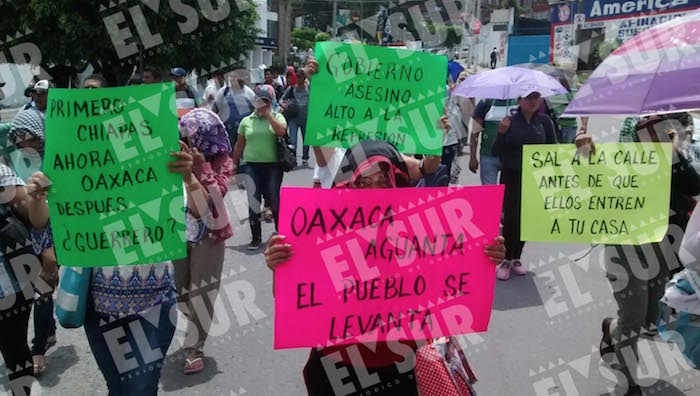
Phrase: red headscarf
(291, 80)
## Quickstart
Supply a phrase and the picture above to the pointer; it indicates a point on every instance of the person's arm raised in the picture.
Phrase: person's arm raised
(279, 127)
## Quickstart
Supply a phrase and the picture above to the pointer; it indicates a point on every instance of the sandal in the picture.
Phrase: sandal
(39, 366)
(193, 366)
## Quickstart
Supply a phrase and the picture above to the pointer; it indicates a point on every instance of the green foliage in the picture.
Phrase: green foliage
(603, 50)
(453, 35)
(277, 62)
(323, 36)
(74, 32)
(304, 38)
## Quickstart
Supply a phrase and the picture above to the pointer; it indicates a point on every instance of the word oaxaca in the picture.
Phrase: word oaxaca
(364, 92)
(113, 201)
(380, 265)
(619, 195)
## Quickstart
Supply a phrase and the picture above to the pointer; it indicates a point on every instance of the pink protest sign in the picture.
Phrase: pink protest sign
(385, 265)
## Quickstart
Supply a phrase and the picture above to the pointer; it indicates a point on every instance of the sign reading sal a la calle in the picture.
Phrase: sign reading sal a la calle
(620, 195)
(113, 201)
(367, 92)
(385, 265)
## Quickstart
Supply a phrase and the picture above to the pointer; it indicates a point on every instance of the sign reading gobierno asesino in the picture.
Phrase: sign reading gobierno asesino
(619, 195)
(383, 265)
(113, 200)
(367, 92)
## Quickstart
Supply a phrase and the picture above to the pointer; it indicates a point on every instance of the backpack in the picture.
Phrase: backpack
(292, 108)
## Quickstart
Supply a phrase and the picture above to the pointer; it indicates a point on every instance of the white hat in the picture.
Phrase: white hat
(527, 91)
(41, 85)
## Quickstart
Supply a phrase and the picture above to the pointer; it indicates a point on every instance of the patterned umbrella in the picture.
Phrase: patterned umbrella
(655, 72)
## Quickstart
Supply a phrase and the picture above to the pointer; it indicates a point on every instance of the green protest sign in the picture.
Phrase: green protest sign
(367, 92)
(113, 201)
(620, 195)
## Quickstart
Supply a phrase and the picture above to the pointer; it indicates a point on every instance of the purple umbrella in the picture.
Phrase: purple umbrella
(655, 72)
(508, 83)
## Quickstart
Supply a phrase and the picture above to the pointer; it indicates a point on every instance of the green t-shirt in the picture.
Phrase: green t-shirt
(558, 104)
(260, 143)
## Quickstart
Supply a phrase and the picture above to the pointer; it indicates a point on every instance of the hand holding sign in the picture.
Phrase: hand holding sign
(183, 163)
(38, 185)
(113, 201)
(365, 267)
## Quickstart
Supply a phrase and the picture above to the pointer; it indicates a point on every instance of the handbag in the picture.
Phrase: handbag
(285, 153)
(442, 370)
(72, 295)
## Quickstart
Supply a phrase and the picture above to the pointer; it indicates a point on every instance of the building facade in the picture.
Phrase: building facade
(578, 27)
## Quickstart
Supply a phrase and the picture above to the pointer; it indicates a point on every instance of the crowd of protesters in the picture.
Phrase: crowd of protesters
(232, 129)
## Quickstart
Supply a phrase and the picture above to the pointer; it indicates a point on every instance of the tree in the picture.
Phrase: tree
(304, 38)
(603, 50)
(191, 34)
(322, 36)
(453, 35)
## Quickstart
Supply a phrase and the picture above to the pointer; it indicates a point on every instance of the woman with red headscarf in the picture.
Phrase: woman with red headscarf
(291, 77)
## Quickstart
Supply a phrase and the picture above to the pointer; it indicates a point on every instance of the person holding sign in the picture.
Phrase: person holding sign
(28, 134)
(638, 278)
(208, 143)
(371, 164)
(121, 304)
(129, 306)
(17, 211)
(526, 126)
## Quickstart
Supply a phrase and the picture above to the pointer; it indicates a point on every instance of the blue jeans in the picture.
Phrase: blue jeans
(490, 165)
(568, 134)
(262, 179)
(130, 351)
(44, 324)
(294, 126)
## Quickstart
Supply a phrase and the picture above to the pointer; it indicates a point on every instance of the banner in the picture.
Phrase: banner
(620, 195)
(113, 201)
(608, 9)
(366, 92)
(382, 265)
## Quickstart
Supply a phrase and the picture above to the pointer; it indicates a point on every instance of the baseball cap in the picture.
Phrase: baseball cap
(41, 86)
(263, 94)
(529, 91)
(178, 72)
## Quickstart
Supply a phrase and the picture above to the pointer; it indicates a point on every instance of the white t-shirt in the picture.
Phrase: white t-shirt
(210, 91)
(326, 174)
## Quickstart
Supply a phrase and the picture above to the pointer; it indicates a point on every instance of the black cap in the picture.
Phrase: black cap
(264, 95)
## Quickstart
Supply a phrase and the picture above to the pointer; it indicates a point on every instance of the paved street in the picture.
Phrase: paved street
(540, 341)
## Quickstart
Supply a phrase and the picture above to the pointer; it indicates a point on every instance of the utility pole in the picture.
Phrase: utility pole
(335, 19)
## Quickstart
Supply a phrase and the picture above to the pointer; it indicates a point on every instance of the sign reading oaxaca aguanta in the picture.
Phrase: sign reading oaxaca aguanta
(384, 265)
